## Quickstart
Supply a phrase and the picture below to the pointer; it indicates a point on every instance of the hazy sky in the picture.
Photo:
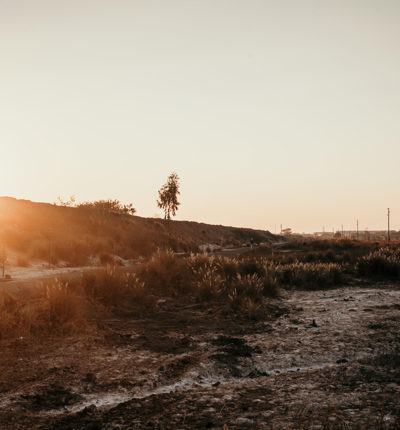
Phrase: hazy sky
(270, 111)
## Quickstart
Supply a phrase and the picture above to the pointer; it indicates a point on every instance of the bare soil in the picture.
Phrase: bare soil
(321, 359)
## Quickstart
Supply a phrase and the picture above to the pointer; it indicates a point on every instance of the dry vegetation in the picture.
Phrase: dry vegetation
(242, 284)
(197, 293)
(55, 309)
(102, 231)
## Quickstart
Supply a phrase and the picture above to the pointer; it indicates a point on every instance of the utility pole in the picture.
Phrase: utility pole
(388, 232)
(357, 229)
(342, 231)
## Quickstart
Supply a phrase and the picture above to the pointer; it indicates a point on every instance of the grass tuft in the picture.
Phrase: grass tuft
(385, 262)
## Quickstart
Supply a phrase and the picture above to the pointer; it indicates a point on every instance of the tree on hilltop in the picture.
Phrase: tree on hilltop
(168, 196)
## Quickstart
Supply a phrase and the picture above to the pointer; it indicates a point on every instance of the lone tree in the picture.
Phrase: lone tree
(168, 196)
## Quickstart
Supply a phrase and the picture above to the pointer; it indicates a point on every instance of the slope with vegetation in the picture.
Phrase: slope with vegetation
(103, 230)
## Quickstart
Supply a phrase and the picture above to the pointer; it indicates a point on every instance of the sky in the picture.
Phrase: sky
(271, 112)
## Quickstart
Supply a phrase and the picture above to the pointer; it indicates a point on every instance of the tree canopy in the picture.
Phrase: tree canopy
(168, 196)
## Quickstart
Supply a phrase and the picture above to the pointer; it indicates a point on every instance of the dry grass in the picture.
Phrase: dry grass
(383, 263)
(76, 235)
(243, 285)
(166, 273)
(56, 310)
(307, 276)
(342, 251)
(115, 289)
(60, 310)
(209, 284)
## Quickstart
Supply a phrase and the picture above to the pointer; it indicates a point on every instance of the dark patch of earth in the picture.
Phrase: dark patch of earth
(48, 398)
(198, 367)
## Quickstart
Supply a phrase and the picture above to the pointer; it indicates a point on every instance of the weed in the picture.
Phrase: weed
(115, 289)
(56, 311)
(166, 273)
(209, 283)
(61, 310)
(384, 262)
(308, 275)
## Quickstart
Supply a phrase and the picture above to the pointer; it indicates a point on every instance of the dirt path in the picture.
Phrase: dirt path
(192, 367)
(21, 277)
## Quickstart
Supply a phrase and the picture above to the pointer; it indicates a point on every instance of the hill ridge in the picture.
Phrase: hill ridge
(77, 234)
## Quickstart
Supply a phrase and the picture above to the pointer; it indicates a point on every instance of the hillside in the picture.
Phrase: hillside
(76, 235)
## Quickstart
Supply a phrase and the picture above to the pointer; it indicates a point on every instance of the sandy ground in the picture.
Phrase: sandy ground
(318, 359)
(42, 271)
(39, 272)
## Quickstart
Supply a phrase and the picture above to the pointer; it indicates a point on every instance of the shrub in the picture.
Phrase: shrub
(9, 320)
(57, 311)
(209, 284)
(343, 251)
(250, 286)
(244, 288)
(108, 207)
(166, 273)
(251, 267)
(246, 296)
(270, 284)
(60, 310)
(384, 262)
(199, 261)
(115, 289)
(251, 309)
(227, 267)
(308, 275)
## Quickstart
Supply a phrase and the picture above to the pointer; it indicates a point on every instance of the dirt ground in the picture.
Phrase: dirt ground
(324, 359)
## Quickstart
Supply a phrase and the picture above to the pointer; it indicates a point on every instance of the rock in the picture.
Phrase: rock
(244, 421)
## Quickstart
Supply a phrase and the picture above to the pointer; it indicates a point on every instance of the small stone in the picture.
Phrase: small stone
(243, 421)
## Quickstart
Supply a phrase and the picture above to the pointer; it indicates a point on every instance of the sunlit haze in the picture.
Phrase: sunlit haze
(271, 112)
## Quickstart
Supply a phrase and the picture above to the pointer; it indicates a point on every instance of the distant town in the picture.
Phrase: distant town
(364, 234)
